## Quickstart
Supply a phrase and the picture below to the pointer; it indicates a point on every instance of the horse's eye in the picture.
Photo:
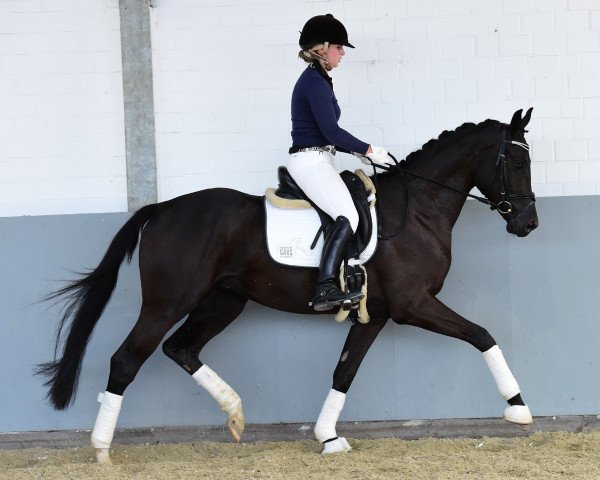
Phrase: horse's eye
(519, 165)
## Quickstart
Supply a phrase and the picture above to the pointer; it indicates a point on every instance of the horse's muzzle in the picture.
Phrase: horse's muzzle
(524, 222)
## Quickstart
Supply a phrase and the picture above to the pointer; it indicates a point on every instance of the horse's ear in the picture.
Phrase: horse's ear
(515, 123)
(526, 119)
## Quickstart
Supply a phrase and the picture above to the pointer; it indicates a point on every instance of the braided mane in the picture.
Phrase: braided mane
(446, 134)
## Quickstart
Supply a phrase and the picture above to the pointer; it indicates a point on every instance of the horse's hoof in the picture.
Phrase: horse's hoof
(339, 445)
(102, 456)
(518, 414)
(236, 424)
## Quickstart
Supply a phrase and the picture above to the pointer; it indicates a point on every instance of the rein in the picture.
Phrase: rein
(504, 206)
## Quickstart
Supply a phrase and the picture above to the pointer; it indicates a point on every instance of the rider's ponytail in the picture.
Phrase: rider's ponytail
(312, 53)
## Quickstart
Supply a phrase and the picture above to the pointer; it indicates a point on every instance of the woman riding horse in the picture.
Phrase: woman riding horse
(202, 256)
(316, 136)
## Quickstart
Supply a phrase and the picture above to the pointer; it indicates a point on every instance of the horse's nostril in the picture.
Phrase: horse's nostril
(532, 225)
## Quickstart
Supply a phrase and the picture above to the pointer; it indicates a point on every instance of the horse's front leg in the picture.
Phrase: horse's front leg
(360, 338)
(433, 315)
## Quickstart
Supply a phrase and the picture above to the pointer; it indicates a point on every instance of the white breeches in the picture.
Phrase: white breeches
(315, 173)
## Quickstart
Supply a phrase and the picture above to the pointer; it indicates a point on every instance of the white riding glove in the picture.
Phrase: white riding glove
(379, 156)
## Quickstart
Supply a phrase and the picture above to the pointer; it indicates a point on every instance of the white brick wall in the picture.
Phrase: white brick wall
(224, 71)
(420, 66)
(61, 108)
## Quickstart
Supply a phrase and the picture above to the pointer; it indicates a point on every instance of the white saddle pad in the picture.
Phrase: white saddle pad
(291, 232)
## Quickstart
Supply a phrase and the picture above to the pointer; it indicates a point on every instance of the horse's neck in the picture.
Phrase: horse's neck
(435, 201)
(450, 163)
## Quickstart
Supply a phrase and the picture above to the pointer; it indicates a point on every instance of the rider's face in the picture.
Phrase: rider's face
(334, 55)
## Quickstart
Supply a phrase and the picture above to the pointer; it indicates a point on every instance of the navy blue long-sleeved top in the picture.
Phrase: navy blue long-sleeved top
(315, 114)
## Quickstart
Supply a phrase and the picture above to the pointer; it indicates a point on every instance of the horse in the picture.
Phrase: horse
(203, 256)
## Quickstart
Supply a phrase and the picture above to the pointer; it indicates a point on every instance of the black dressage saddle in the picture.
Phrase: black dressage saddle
(360, 194)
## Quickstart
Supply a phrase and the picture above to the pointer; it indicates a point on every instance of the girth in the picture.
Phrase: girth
(360, 196)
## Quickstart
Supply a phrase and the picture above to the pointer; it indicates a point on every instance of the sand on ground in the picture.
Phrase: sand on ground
(539, 456)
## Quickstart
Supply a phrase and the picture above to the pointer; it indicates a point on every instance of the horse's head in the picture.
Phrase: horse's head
(506, 179)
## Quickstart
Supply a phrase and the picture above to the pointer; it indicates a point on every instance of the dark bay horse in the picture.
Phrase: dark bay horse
(204, 255)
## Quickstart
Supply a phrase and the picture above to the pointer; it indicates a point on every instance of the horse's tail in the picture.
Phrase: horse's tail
(86, 300)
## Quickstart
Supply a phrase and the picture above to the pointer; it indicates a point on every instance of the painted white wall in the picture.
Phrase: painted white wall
(224, 71)
(62, 146)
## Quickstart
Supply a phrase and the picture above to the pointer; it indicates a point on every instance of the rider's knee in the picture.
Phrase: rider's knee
(352, 217)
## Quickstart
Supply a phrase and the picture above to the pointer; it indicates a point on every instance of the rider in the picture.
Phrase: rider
(316, 136)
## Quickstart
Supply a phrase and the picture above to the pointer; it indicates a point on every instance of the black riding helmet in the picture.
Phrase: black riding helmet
(321, 29)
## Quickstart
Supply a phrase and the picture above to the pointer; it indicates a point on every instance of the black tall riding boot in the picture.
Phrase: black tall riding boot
(328, 294)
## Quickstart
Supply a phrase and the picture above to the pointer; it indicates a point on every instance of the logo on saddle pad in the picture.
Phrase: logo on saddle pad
(287, 250)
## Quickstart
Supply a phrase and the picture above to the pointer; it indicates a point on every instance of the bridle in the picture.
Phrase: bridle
(504, 206)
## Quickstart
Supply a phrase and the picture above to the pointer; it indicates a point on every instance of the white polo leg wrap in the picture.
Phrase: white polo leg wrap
(228, 400)
(325, 427)
(106, 421)
(507, 384)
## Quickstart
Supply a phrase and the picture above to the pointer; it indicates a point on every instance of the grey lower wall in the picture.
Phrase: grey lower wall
(538, 296)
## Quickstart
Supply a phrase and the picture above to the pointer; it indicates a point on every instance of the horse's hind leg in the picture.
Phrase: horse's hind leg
(434, 316)
(124, 365)
(216, 310)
